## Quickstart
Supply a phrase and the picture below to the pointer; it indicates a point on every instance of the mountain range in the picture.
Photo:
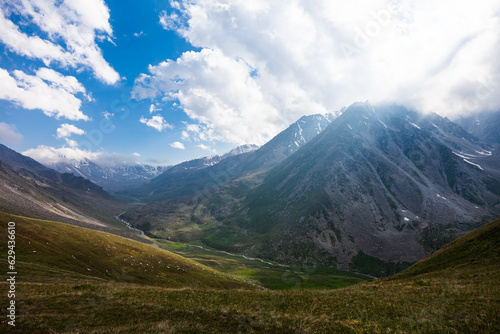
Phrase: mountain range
(111, 178)
(372, 188)
(184, 180)
(204, 162)
(31, 189)
(376, 190)
(117, 177)
(384, 183)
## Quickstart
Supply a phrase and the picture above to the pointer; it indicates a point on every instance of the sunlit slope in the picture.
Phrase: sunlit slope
(49, 251)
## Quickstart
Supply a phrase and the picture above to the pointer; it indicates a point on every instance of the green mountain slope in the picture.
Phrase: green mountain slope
(52, 251)
(454, 290)
(476, 253)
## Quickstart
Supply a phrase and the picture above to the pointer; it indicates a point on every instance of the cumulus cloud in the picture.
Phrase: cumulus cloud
(157, 122)
(217, 91)
(69, 31)
(262, 64)
(48, 155)
(9, 134)
(178, 145)
(62, 34)
(48, 90)
(66, 130)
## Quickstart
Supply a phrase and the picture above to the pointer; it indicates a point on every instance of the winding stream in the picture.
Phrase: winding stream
(128, 224)
(201, 247)
(239, 255)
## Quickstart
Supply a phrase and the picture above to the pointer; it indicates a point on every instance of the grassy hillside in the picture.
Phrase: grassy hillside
(456, 289)
(475, 254)
(48, 251)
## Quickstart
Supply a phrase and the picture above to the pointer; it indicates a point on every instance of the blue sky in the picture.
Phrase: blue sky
(160, 82)
(138, 40)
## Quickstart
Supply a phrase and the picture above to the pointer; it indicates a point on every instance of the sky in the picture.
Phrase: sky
(163, 81)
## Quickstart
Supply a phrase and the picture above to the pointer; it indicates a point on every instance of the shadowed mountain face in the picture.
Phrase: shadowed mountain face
(376, 190)
(380, 183)
(28, 188)
(200, 174)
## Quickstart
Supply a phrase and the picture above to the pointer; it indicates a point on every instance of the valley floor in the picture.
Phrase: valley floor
(269, 275)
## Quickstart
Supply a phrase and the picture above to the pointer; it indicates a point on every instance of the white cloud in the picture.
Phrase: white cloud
(135, 154)
(262, 64)
(218, 92)
(107, 115)
(196, 128)
(72, 143)
(172, 20)
(157, 122)
(199, 132)
(30, 46)
(153, 108)
(178, 145)
(48, 155)
(66, 130)
(9, 134)
(47, 90)
(77, 23)
(138, 34)
(206, 148)
(68, 83)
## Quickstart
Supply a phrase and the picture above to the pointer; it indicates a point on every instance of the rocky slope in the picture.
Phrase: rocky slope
(380, 184)
(31, 189)
(380, 187)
